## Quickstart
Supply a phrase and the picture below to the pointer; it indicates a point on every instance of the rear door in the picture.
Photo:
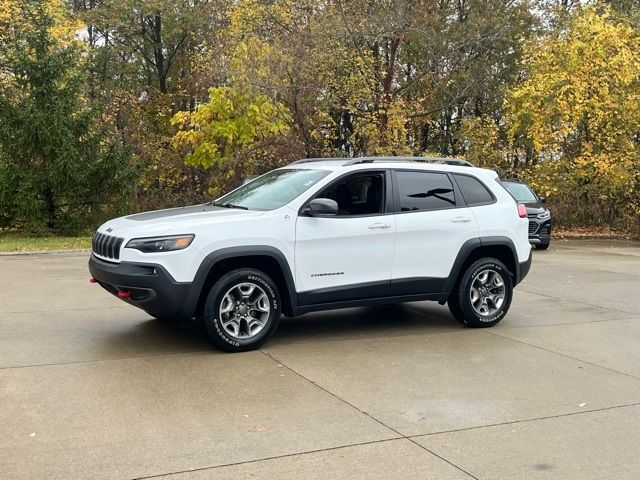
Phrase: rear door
(432, 223)
(347, 256)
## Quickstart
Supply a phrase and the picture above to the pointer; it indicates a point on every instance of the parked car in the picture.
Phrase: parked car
(322, 234)
(539, 216)
(248, 179)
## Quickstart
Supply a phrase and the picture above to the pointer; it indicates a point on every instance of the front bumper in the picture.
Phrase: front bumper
(152, 288)
(539, 231)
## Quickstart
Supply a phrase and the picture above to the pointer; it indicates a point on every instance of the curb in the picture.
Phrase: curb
(44, 252)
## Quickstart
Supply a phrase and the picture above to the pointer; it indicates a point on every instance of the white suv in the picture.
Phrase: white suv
(323, 234)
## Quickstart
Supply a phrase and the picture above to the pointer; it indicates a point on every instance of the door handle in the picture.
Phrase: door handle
(461, 220)
(379, 226)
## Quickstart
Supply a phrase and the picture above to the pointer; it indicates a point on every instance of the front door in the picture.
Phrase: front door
(347, 256)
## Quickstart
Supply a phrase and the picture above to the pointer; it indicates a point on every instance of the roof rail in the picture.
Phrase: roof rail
(355, 161)
(441, 160)
(310, 160)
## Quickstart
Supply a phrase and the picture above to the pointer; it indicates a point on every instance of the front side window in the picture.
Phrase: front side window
(473, 191)
(424, 191)
(358, 194)
(273, 189)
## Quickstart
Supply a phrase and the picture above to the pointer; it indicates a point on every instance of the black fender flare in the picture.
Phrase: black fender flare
(217, 256)
(467, 249)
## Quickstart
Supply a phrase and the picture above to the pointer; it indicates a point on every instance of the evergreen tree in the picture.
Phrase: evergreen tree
(58, 162)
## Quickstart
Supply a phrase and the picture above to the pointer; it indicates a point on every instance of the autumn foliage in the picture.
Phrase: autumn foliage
(190, 97)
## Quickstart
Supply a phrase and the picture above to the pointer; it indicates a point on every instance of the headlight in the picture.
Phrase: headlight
(160, 244)
(544, 215)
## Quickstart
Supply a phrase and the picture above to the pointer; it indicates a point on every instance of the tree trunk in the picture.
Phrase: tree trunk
(50, 207)
(389, 76)
(158, 53)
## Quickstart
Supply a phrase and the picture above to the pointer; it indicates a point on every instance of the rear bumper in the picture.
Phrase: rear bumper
(152, 288)
(524, 268)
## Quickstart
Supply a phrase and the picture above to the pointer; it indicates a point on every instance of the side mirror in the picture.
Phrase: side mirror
(543, 199)
(323, 206)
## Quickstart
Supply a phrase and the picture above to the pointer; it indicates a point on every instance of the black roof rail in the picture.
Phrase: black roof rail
(310, 160)
(358, 160)
(441, 160)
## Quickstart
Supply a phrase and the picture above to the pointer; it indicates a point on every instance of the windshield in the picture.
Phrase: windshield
(521, 192)
(273, 189)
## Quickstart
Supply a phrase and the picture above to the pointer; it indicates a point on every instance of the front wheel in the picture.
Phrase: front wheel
(483, 294)
(242, 310)
(542, 246)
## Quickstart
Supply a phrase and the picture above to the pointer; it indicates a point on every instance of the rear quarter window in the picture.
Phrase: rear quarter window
(473, 190)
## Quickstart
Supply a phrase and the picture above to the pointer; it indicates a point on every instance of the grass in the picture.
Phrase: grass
(11, 243)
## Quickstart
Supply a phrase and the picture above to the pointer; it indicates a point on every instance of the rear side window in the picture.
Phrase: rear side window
(424, 191)
(473, 191)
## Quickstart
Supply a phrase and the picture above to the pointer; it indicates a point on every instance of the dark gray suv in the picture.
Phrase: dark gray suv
(539, 216)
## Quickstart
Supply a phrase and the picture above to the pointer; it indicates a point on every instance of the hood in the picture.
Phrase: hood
(174, 212)
(173, 221)
(534, 207)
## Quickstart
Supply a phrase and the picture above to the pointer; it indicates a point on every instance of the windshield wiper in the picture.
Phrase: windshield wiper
(229, 205)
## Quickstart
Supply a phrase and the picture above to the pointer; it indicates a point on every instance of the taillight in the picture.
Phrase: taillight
(522, 211)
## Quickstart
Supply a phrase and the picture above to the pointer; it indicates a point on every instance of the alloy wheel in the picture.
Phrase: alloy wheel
(487, 292)
(244, 310)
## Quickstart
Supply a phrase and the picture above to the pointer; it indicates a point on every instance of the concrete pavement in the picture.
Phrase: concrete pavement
(92, 388)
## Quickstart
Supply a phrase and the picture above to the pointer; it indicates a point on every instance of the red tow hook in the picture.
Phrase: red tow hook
(124, 294)
(93, 280)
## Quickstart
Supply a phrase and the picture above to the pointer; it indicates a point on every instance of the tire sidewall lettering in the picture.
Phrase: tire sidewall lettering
(223, 336)
(272, 294)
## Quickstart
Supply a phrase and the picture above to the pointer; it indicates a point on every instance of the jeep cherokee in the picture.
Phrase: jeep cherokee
(322, 234)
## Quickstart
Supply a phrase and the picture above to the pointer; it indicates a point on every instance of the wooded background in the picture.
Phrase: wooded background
(109, 106)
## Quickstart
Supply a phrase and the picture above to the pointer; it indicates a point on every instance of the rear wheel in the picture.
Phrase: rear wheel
(242, 310)
(483, 294)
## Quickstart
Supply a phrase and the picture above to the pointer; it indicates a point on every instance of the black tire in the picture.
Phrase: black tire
(542, 246)
(460, 301)
(216, 330)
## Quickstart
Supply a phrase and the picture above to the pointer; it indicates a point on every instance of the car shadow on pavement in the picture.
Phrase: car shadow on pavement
(153, 336)
(366, 322)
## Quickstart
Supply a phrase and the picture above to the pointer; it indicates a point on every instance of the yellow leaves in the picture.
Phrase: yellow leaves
(578, 84)
(64, 27)
(575, 117)
(232, 120)
(481, 137)
(580, 106)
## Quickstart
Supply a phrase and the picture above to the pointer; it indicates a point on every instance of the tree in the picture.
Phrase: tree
(379, 77)
(150, 59)
(232, 121)
(579, 111)
(58, 164)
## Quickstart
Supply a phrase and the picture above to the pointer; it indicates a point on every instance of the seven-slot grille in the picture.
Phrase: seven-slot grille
(106, 245)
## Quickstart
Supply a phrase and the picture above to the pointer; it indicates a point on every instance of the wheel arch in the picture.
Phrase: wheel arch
(501, 248)
(268, 259)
